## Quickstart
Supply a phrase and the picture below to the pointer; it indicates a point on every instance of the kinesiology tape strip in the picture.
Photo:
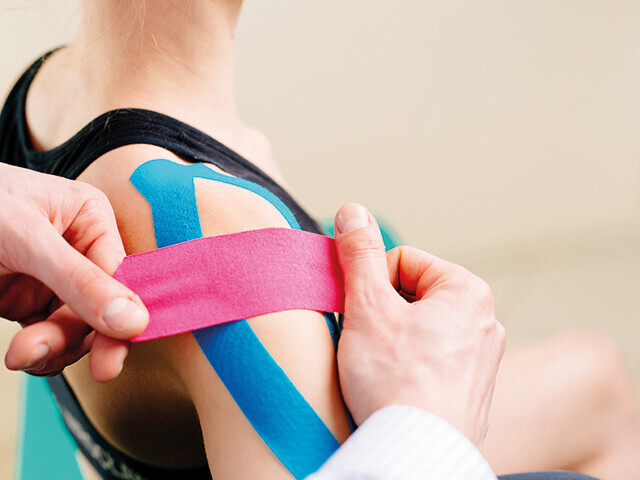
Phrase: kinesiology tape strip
(216, 280)
(271, 403)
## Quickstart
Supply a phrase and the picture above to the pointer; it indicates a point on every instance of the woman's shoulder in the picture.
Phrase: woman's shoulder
(140, 178)
(158, 191)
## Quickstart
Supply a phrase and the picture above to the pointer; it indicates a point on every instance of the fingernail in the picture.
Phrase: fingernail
(38, 355)
(123, 314)
(352, 217)
(35, 369)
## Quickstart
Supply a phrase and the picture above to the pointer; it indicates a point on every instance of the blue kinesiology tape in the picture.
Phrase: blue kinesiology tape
(269, 400)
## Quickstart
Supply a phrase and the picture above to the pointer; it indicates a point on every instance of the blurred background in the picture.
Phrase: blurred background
(501, 135)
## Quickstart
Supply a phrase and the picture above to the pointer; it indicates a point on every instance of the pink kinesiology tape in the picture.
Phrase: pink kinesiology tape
(215, 280)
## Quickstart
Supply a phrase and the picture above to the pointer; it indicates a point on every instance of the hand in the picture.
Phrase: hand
(418, 330)
(48, 225)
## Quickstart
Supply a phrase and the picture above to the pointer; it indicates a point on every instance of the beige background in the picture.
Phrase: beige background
(499, 134)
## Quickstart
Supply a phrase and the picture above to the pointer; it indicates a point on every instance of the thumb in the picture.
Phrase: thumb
(97, 298)
(361, 253)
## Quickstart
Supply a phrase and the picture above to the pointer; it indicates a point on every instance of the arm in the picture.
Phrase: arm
(298, 341)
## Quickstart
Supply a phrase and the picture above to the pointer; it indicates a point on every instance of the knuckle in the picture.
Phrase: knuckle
(459, 276)
(361, 247)
(501, 335)
(97, 195)
(371, 303)
(97, 204)
(76, 188)
(82, 279)
(475, 287)
(483, 291)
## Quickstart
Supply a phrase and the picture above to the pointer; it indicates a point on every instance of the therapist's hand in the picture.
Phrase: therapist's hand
(57, 239)
(418, 330)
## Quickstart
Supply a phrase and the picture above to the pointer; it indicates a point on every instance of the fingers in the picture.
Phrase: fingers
(46, 348)
(56, 365)
(53, 224)
(107, 357)
(361, 253)
(414, 272)
(93, 295)
(94, 232)
(59, 338)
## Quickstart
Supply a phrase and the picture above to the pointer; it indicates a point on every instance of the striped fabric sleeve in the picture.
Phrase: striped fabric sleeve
(405, 443)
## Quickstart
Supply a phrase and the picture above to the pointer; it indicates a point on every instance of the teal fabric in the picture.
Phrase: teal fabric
(46, 449)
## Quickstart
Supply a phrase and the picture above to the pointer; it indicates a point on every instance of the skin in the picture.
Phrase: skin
(115, 63)
(576, 409)
(172, 374)
(418, 330)
(61, 251)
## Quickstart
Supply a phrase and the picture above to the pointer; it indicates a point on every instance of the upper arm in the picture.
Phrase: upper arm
(298, 341)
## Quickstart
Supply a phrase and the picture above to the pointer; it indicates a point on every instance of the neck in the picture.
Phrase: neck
(170, 55)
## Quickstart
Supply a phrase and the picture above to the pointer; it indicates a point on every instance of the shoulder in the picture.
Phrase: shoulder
(146, 186)
(140, 178)
(176, 361)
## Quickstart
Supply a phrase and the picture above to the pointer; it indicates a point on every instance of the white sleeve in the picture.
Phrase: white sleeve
(405, 443)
